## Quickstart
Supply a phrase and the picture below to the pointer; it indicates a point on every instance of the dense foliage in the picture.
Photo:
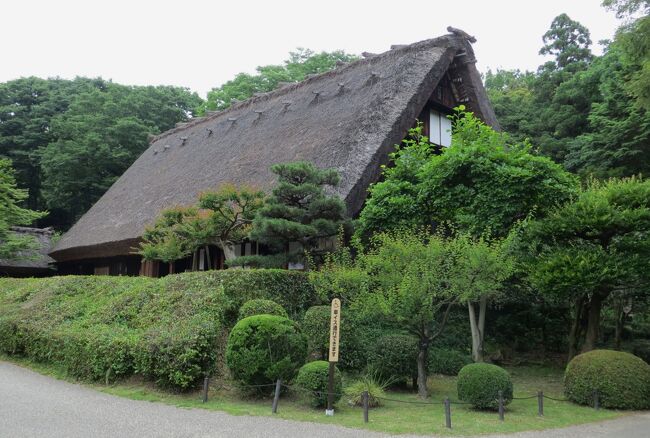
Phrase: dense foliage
(591, 249)
(300, 64)
(394, 358)
(70, 140)
(316, 326)
(314, 377)
(260, 306)
(589, 113)
(621, 379)
(483, 183)
(480, 383)
(447, 361)
(264, 348)
(12, 214)
(169, 330)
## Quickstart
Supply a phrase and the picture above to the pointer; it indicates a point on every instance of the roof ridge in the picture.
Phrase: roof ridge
(181, 126)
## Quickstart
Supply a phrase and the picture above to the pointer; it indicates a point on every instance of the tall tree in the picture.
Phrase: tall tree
(591, 249)
(300, 64)
(102, 132)
(483, 183)
(12, 214)
(568, 41)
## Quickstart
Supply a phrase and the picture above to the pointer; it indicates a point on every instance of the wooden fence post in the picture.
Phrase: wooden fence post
(540, 403)
(501, 408)
(365, 397)
(276, 396)
(206, 386)
(447, 404)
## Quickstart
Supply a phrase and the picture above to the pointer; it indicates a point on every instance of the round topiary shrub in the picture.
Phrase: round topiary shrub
(261, 307)
(480, 383)
(621, 379)
(394, 357)
(264, 348)
(314, 376)
(447, 361)
(316, 326)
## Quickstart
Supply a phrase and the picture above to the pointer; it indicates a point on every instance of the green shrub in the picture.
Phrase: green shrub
(642, 349)
(394, 357)
(179, 356)
(370, 382)
(316, 326)
(260, 306)
(621, 379)
(264, 348)
(169, 330)
(446, 361)
(480, 383)
(314, 377)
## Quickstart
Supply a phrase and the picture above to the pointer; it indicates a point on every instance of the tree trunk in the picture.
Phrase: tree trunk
(195, 260)
(228, 250)
(575, 327)
(620, 321)
(422, 369)
(171, 267)
(593, 323)
(477, 328)
(209, 259)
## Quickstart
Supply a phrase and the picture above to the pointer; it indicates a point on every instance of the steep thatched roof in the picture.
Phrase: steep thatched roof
(33, 262)
(348, 119)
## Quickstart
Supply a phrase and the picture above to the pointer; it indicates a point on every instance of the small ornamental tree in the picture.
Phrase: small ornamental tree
(166, 240)
(231, 213)
(410, 289)
(299, 212)
(12, 214)
(222, 217)
(480, 271)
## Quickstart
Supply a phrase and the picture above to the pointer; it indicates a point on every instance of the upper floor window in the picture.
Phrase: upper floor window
(439, 129)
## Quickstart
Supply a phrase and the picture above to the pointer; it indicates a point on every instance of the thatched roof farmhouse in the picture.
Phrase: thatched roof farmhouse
(349, 119)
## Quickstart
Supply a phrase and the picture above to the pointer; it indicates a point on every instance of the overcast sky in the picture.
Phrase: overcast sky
(201, 44)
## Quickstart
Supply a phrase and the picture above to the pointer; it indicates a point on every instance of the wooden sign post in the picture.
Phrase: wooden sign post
(335, 326)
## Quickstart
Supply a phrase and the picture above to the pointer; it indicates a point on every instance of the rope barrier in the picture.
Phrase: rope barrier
(556, 399)
(524, 398)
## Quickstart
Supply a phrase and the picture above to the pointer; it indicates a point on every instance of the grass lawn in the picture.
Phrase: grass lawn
(394, 416)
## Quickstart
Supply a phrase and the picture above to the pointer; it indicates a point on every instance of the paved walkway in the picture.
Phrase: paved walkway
(33, 405)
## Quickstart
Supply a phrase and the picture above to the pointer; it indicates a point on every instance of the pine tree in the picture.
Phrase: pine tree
(298, 216)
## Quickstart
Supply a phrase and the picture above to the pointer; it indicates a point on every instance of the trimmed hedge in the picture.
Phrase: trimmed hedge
(480, 383)
(446, 361)
(264, 348)
(621, 379)
(394, 357)
(261, 306)
(169, 330)
(314, 377)
(316, 326)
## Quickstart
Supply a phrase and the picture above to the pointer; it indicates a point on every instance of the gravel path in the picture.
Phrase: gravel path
(33, 405)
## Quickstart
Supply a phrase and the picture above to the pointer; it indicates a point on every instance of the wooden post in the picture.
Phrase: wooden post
(335, 321)
(596, 400)
(276, 396)
(364, 397)
(206, 386)
(447, 413)
(540, 403)
(501, 408)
